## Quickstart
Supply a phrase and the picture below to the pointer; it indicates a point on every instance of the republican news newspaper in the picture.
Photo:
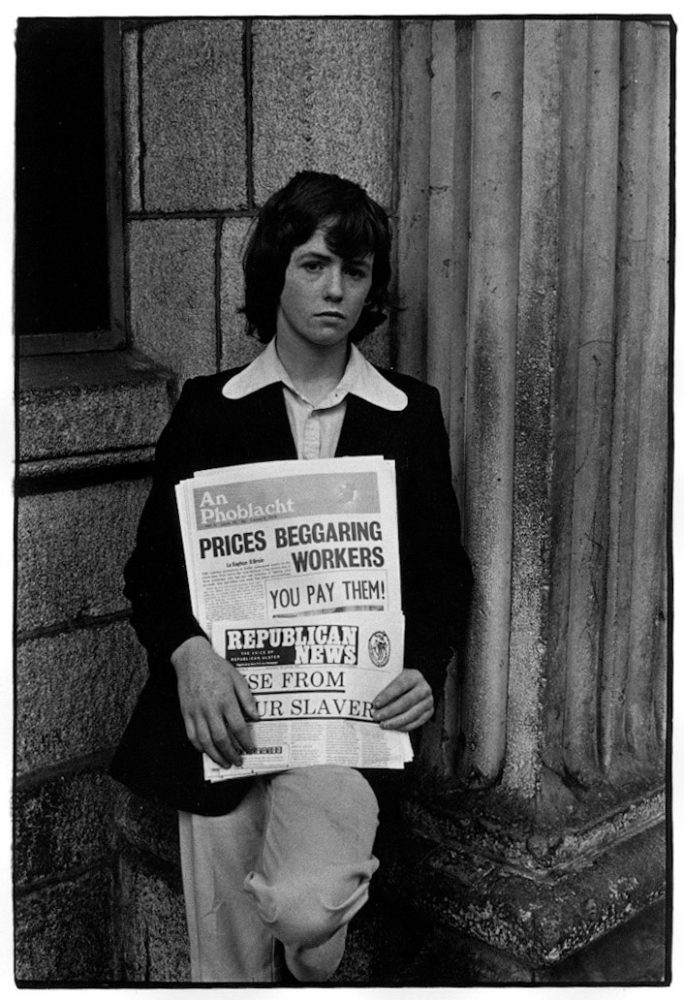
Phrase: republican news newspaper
(293, 570)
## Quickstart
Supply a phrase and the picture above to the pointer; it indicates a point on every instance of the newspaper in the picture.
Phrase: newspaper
(305, 546)
(314, 684)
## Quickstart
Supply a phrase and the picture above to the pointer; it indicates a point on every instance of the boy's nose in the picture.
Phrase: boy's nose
(334, 289)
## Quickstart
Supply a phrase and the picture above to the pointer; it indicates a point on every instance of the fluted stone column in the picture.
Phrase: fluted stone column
(538, 204)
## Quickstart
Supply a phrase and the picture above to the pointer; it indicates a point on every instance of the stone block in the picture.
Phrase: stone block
(63, 932)
(74, 693)
(131, 109)
(634, 954)
(236, 347)
(64, 823)
(148, 826)
(323, 100)
(194, 128)
(71, 549)
(154, 943)
(76, 405)
(172, 306)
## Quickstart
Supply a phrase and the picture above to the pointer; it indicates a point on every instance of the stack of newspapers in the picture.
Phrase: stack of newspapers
(293, 569)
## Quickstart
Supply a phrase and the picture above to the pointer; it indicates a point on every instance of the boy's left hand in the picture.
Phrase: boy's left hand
(405, 703)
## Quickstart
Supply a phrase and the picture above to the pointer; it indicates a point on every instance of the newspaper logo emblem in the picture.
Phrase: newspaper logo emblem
(347, 494)
(379, 649)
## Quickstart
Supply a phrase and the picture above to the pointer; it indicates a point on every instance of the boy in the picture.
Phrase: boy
(275, 867)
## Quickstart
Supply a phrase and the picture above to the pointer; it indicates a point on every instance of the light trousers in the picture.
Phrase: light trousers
(279, 878)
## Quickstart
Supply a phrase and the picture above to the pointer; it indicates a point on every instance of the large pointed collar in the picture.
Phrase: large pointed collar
(360, 379)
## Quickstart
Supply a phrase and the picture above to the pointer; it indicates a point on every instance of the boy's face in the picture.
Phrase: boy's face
(322, 296)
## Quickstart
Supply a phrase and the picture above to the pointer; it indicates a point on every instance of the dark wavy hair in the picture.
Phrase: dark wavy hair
(354, 226)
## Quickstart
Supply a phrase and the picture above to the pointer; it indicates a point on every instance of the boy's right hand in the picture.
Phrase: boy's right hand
(215, 701)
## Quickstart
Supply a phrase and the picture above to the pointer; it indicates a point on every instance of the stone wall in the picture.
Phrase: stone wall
(86, 428)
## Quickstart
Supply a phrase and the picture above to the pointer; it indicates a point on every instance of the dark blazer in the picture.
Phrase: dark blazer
(205, 431)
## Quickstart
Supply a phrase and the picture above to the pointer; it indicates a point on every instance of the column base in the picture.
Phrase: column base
(535, 898)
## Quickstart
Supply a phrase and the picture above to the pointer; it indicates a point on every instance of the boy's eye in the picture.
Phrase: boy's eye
(313, 266)
(356, 272)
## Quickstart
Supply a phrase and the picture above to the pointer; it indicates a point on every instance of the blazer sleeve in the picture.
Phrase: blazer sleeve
(155, 575)
(436, 571)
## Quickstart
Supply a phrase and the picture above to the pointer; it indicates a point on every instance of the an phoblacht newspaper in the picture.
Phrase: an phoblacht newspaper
(293, 569)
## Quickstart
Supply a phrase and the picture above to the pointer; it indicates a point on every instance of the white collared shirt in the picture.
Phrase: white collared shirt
(316, 427)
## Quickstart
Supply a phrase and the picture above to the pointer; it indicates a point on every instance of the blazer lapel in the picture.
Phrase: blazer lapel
(367, 429)
(260, 421)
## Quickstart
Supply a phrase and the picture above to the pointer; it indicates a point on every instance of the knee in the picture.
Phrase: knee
(294, 914)
(304, 921)
(303, 913)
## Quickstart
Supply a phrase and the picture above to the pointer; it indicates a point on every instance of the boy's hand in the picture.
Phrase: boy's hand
(405, 703)
(215, 701)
